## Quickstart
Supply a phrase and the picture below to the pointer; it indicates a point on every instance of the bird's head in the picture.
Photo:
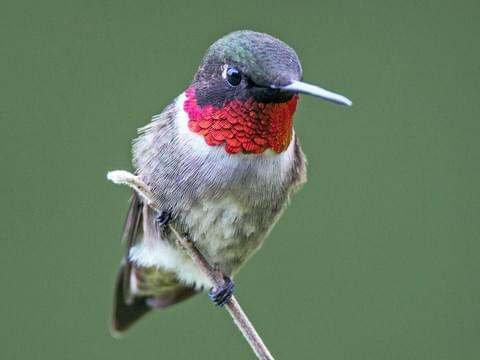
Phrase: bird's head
(245, 92)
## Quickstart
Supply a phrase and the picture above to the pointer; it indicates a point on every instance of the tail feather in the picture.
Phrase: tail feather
(126, 312)
(128, 308)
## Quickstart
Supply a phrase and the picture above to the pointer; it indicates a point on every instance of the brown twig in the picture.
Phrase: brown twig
(233, 307)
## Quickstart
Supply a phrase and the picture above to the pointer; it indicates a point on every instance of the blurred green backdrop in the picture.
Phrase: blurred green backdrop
(377, 258)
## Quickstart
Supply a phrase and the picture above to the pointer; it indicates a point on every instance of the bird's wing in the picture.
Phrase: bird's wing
(132, 231)
(154, 288)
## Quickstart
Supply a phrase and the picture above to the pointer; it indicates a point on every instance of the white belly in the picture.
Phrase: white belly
(220, 233)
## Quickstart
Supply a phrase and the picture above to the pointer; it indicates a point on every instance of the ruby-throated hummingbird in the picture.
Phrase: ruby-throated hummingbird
(222, 160)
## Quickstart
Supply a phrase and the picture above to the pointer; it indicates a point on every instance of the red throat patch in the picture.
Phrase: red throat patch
(243, 126)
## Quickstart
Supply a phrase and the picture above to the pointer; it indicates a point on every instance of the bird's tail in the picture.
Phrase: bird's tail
(128, 308)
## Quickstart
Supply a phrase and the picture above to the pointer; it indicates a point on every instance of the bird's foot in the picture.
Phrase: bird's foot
(162, 218)
(221, 295)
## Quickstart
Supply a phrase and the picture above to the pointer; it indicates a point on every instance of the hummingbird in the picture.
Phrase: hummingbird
(222, 160)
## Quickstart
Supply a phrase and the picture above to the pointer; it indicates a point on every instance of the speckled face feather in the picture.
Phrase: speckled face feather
(243, 126)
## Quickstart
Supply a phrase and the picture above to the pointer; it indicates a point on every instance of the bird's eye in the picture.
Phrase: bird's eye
(233, 75)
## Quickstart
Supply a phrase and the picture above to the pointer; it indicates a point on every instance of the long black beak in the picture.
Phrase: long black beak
(305, 88)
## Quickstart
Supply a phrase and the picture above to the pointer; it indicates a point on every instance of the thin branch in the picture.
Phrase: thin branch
(233, 307)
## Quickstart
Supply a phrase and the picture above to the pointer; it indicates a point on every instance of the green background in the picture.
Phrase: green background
(378, 257)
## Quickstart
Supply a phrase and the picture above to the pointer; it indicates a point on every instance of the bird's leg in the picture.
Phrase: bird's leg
(162, 218)
(221, 295)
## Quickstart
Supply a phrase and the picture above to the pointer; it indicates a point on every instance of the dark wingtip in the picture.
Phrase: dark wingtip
(125, 314)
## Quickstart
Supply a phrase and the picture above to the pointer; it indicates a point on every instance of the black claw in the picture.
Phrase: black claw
(163, 218)
(220, 296)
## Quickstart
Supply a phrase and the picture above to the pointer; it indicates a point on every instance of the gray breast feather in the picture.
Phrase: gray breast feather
(226, 203)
